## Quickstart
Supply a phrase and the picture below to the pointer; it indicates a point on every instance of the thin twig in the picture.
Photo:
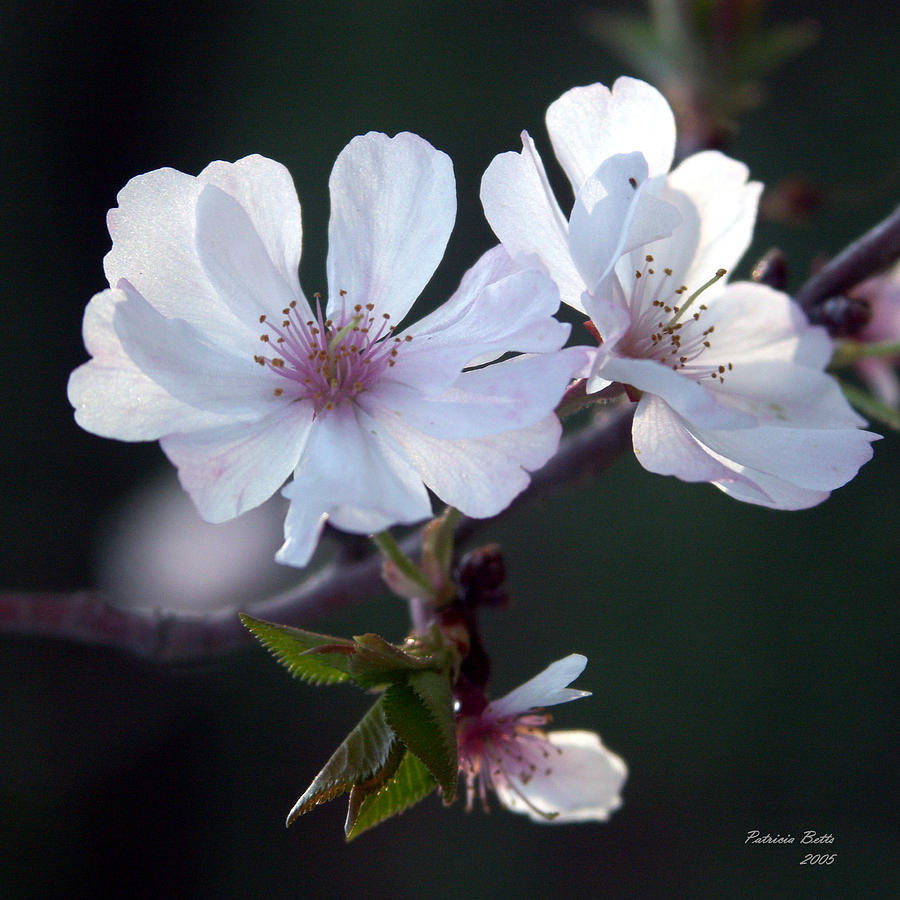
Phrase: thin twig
(866, 256)
(165, 635)
(168, 635)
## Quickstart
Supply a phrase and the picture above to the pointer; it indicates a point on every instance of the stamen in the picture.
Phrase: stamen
(329, 361)
(720, 274)
(664, 330)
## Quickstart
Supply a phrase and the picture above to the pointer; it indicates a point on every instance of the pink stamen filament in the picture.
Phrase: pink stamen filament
(325, 361)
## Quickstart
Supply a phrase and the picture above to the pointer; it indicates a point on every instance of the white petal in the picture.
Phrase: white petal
(492, 266)
(154, 248)
(614, 214)
(664, 444)
(783, 468)
(113, 397)
(547, 688)
(480, 476)
(726, 202)
(608, 313)
(753, 322)
(233, 468)
(785, 395)
(520, 207)
(695, 403)
(589, 124)
(237, 262)
(393, 204)
(767, 490)
(578, 780)
(265, 191)
(351, 471)
(506, 396)
(179, 358)
(718, 211)
(762, 489)
(810, 458)
(481, 321)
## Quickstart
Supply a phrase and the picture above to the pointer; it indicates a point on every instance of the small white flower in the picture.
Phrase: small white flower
(557, 776)
(206, 342)
(730, 378)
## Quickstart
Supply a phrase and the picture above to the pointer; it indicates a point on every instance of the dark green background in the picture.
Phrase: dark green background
(742, 661)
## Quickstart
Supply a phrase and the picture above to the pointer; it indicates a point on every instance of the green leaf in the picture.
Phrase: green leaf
(411, 783)
(438, 540)
(375, 662)
(359, 792)
(364, 754)
(317, 658)
(766, 50)
(871, 406)
(421, 715)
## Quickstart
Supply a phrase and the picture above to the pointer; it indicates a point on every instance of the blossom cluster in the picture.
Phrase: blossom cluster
(205, 341)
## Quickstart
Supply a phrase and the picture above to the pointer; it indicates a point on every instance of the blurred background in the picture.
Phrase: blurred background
(741, 661)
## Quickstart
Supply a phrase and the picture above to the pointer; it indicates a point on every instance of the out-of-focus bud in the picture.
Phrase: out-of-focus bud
(793, 200)
(772, 270)
(842, 316)
(480, 577)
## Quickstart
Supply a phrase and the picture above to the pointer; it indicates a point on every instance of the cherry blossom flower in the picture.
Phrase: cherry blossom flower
(729, 378)
(206, 342)
(883, 296)
(556, 776)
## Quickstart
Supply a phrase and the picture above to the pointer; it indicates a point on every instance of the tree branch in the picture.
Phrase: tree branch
(866, 256)
(168, 635)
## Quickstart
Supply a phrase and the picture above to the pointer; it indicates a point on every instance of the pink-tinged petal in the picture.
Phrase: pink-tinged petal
(589, 124)
(179, 358)
(614, 214)
(508, 395)
(237, 262)
(548, 688)
(393, 204)
(492, 266)
(233, 468)
(265, 190)
(810, 458)
(351, 471)
(755, 322)
(691, 401)
(513, 314)
(881, 378)
(664, 444)
(113, 397)
(480, 476)
(154, 248)
(576, 779)
(520, 207)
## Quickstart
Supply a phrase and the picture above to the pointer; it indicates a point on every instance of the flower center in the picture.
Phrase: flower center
(328, 361)
(667, 326)
(507, 752)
